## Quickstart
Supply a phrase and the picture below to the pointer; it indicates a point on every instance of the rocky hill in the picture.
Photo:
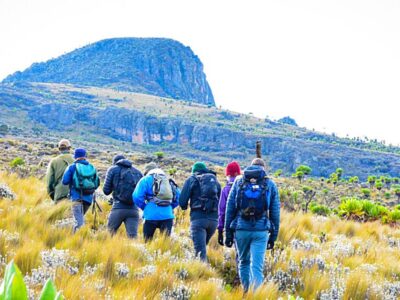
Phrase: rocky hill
(191, 130)
(154, 66)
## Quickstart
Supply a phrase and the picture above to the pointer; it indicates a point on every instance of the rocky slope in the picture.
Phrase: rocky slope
(189, 130)
(154, 66)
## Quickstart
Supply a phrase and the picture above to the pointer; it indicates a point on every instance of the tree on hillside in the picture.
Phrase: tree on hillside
(309, 194)
(388, 182)
(379, 185)
(339, 172)
(397, 193)
(305, 169)
(299, 175)
(334, 178)
(371, 180)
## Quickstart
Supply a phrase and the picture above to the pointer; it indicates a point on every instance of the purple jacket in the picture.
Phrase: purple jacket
(222, 203)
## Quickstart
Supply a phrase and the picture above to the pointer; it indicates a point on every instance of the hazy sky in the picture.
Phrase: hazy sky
(332, 65)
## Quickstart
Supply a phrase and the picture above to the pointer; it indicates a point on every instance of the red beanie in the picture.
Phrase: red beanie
(232, 169)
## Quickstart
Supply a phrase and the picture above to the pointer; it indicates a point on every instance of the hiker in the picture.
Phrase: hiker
(232, 171)
(55, 171)
(83, 180)
(157, 196)
(203, 190)
(252, 221)
(121, 180)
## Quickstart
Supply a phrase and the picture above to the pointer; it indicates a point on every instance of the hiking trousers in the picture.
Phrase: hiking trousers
(128, 216)
(79, 209)
(251, 247)
(201, 231)
(150, 227)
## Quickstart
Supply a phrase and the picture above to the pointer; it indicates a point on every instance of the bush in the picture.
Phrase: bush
(320, 210)
(16, 162)
(366, 192)
(350, 206)
(159, 155)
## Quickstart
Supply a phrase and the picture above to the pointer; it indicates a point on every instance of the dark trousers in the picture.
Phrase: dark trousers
(202, 230)
(128, 216)
(150, 226)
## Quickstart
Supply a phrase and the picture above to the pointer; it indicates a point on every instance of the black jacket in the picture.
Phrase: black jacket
(191, 192)
(112, 178)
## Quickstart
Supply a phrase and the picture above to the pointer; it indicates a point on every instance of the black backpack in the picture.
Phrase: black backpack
(128, 178)
(251, 199)
(208, 200)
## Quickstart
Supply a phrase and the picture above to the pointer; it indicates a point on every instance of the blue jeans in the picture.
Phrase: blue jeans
(202, 230)
(79, 209)
(128, 216)
(251, 247)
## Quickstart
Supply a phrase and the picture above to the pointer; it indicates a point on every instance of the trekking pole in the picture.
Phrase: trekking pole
(95, 207)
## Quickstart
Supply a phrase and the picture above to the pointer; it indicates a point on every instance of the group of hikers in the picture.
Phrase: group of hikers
(246, 212)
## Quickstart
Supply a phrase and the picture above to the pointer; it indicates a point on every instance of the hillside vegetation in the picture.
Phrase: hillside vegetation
(342, 252)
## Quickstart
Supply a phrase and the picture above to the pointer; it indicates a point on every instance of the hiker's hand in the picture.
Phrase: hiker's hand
(228, 238)
(220, 237)
(270, 245)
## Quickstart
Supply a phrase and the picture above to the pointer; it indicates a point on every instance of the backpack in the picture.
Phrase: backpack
(164, 190)
(208, 200)
(127, 180)
(251, 197)
(85, 179)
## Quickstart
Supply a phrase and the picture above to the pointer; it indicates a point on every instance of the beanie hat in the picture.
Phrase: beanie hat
(259, 162)
(117, 158)
(64, 144)
(199, 166)
(79, 153)
(149, 167)
(232, 169)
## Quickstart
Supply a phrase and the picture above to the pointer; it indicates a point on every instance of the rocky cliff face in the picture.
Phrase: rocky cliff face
(282, 152)
(154, 66)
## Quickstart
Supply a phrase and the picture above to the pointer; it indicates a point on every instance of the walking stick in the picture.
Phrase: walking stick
(95, 207)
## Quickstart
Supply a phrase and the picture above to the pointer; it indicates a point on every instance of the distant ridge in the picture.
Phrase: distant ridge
(156, 66)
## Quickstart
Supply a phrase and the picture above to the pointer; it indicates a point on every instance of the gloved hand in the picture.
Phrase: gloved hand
(220, 237)
(228, 238)
(270, 245)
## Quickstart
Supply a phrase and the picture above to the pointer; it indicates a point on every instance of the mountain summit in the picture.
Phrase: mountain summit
(156, 66)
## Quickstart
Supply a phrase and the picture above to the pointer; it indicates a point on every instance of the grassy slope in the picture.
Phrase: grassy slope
(314, 255)
(352, 258)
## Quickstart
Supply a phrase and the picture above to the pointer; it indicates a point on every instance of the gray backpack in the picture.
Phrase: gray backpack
(163, 190)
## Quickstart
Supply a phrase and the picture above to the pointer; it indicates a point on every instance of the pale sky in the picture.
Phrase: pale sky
(331, 65)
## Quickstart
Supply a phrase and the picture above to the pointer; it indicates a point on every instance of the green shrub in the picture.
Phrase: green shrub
(159, 155)
(321, 210)
(16, 162)
(366, 192)
(350, 206)
(305, 169)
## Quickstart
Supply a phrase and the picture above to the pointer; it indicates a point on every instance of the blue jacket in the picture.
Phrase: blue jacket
(151, 211)
(233, 220)
(68, 179)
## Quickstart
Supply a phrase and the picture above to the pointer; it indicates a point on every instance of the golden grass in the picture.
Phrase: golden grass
(28, 225)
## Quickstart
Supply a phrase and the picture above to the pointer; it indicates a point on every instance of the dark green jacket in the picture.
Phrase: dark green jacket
(55, 172)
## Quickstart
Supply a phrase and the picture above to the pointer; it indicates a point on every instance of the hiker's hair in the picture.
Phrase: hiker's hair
(259, 162)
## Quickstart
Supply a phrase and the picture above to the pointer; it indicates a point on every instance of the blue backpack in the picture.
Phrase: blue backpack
(251, 199)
